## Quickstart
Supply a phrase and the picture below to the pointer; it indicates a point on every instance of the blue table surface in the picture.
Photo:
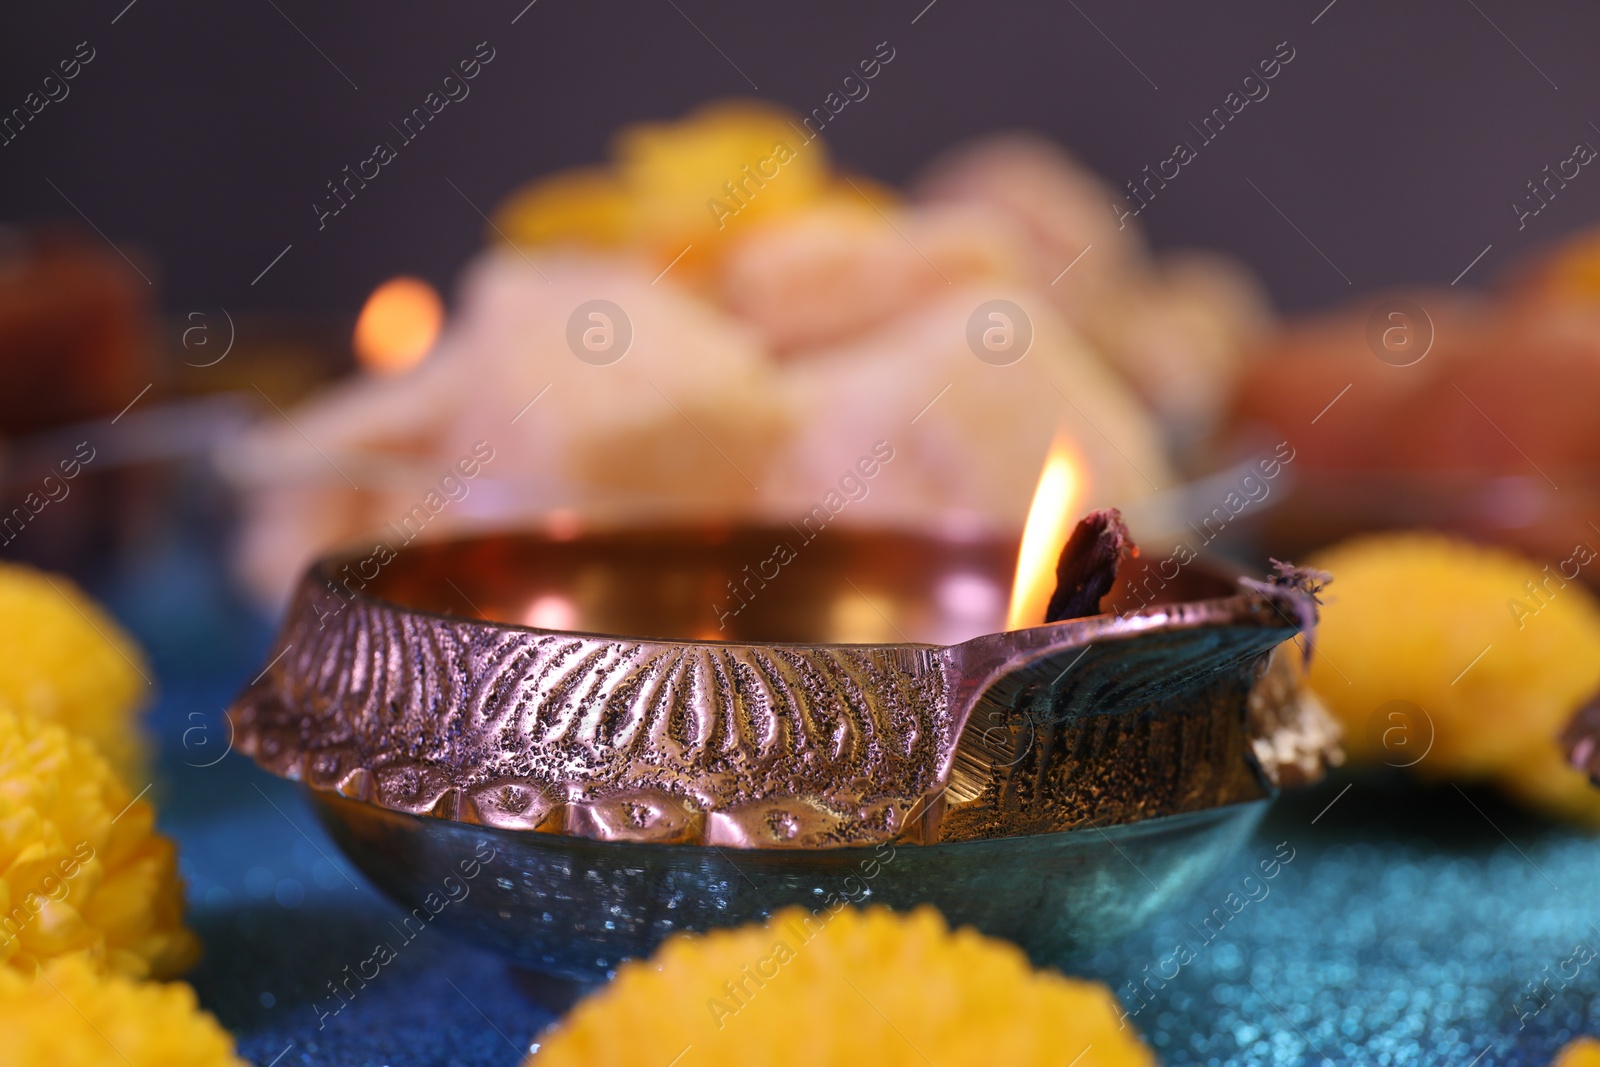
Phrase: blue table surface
(1408, 927)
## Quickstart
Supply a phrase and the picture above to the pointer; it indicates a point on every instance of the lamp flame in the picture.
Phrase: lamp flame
(1050, 520)
(398, 324)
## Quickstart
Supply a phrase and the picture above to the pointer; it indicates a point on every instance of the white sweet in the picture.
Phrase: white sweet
(757, 377)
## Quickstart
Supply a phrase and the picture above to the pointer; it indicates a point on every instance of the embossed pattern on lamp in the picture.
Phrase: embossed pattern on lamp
(857, 731)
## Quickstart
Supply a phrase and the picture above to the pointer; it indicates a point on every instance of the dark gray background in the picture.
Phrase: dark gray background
(200, 135)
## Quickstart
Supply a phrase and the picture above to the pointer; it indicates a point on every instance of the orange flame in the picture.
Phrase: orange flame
(1050, 521)
(398, 325)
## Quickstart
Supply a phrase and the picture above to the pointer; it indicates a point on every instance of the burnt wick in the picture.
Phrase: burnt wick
(1087, 568)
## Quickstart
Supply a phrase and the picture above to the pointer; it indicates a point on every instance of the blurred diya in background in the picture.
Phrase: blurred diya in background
(720, 322)
(857, 732)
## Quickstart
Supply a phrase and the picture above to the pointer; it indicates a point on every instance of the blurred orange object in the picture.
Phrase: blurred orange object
(398, 324)
(1580, 1052)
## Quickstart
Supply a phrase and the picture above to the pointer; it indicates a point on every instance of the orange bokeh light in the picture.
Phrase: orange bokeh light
(1050, 522)
(398, 325)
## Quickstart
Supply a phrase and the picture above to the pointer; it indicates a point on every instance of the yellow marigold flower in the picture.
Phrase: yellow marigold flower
(72, 1015)
(1579, 1052)
(66, 661)
(1496, 652)
(81, 866)
(842, 988)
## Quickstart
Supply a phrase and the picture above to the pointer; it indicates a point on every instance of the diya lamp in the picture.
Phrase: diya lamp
(648, 765)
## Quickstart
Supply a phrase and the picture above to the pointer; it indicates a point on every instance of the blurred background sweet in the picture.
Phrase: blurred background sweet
(768, 320)
(1435, 408)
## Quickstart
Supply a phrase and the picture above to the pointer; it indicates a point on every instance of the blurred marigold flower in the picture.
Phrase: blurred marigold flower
(73, 1015)
(82, 869)
(67, 661)
(1579, 1052)
(1496, 653)
(853, 986)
